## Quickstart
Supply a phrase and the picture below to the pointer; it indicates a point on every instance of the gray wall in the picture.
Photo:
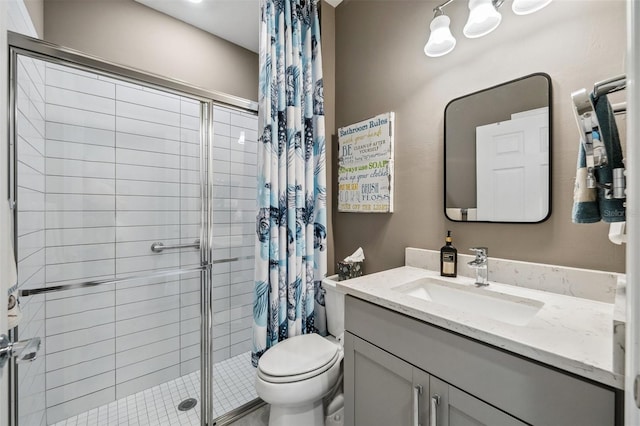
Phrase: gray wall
(380, 66)
(131, 34)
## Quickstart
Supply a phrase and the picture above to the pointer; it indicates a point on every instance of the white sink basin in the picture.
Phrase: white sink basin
(480, 301)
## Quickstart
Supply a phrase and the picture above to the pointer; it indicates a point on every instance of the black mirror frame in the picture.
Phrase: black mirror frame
(549, 95)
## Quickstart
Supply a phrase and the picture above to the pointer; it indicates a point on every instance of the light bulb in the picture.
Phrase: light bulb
(441, 41)
(483, 18)
(525, 7)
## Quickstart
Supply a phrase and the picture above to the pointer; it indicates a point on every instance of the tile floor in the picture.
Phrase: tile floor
(233, 387)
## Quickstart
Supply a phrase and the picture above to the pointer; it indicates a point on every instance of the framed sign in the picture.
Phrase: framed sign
(365, 166)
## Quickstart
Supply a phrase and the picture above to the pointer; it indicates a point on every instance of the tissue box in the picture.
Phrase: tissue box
(348, 270)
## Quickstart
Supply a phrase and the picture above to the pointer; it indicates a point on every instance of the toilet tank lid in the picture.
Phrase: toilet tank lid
(298, 355)
(331, 281)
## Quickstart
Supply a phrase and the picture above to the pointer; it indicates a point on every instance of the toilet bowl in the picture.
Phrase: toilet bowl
(297, 374)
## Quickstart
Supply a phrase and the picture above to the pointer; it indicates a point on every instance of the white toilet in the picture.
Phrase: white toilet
(297, 374)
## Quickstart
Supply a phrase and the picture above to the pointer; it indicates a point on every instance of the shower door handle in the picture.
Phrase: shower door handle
(23, 350)
(159, 247)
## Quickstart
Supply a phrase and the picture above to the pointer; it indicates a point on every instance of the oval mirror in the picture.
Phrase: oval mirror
(497, 153)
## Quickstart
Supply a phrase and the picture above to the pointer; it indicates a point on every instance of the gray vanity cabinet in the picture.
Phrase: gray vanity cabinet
(383, 390)
(395, 365)
(384, 386)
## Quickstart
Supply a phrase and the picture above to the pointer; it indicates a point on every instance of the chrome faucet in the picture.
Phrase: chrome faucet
(481, 265)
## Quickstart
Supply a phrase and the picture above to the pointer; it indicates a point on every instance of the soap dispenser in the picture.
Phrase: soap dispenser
(448, 258)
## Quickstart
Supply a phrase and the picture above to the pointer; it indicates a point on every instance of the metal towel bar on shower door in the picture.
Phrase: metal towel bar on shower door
(129, 278)
(159, 247)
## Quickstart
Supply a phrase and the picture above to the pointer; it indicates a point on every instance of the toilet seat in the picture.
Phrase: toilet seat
(299, 377)
(298, 358)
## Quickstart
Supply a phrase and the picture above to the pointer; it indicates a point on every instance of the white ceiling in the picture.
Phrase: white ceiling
(232, 20)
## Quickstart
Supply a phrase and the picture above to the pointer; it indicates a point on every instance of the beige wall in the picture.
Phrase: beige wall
(328, 34)
(128, 33)
(380, 66)
(36, 12)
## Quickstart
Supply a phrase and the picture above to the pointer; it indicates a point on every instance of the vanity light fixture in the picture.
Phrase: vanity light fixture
(483, 18)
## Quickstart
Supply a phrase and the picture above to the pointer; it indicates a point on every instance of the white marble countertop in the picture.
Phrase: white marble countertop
(571, 333)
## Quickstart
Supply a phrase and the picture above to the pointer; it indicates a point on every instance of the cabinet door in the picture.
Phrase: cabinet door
(457, 408)
(381, 389)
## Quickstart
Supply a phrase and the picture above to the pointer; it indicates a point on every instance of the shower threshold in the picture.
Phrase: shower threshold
(233, 387)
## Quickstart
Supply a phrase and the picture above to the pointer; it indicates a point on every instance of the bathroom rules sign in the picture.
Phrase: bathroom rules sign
(365, 165)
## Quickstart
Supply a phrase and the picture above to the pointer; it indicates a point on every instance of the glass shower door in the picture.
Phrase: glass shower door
(110, 184)
(234, 168)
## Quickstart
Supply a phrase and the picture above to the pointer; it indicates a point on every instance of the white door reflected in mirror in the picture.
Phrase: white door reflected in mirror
(512, 168)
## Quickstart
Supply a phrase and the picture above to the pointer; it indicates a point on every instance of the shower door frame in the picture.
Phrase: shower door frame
(27, 46)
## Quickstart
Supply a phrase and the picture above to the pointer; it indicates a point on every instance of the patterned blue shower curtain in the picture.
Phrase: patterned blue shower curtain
(291, 235)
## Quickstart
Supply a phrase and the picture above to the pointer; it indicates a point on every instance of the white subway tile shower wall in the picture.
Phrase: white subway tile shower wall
(121, 171)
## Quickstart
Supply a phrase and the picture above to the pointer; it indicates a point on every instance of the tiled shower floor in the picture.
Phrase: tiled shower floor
(233, 387)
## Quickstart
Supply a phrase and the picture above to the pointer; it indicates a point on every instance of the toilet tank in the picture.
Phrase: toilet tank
(334, 306)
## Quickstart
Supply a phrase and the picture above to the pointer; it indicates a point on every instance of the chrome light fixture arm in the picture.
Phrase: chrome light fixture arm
(437, 11)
